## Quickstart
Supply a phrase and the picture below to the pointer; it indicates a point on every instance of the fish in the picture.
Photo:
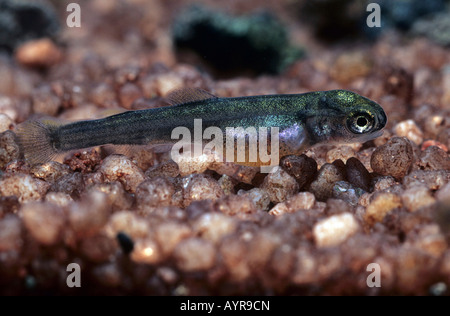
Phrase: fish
(299, 120)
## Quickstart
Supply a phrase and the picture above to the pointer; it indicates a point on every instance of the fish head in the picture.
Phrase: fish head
(342, 116)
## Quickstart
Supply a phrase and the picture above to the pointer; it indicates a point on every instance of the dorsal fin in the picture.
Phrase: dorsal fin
(185, 95)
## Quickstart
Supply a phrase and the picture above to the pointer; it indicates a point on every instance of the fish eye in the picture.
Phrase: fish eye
(360, 123)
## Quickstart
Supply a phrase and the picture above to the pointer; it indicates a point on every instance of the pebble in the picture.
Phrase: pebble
(214, 226)
(50, 171)
(188, 164)
(90, 214)
(128, 93)
(9, 148)
(122, 169)
(322, 186)
(417, 197)
(58, 198)
(103, 95)
(6, 123)
(393, 158)
(342, 152)
(44, 221)
(380, 205)
(279, 185)
(129, 223)
(433, 158)
(350, 66)
(433, 179)
(194, 254)
(300, 201)
(410, 130)
(168, 234)
(10, 233)
(125, 242)
(146, 251)
(71, 183)
(279, 209)
(334, 230)
(24, 187)
(259, 196)
(117, 197)
(201, 187)
(98, 248)
(347, 192)
(302, 168)
(357, 174)
(443, 193)
(165, 169)
(40, 53)
(155, 192)
(44, 101)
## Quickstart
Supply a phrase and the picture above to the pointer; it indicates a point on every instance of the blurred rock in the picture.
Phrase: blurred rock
(256, 43)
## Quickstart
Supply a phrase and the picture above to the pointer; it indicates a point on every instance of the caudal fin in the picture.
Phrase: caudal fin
(35, 140)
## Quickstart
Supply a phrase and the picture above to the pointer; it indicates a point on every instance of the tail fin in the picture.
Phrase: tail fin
(35, 140)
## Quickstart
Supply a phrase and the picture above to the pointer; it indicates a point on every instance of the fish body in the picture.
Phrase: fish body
(302, 120)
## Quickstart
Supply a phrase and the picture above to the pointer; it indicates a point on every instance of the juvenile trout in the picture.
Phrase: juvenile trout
(303, 120)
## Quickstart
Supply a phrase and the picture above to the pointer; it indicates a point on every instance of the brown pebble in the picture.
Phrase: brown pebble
(433, 179)
(240, 173)
(122, 169)
(383, 182)
(104, 95)
(58, 198)
(38, 53)
(357, 174)
(429, 143)
(155, 192)
(71, 183)
(44, 101)
(235, 205)
(393, 158)
(322, 186)
(98, 248)
(300, 201)
(44, 221)
(280, 185)
(129, 223)
(443, 193)
(350, 66)
(90, 214)
(194, 254)
(9, 148)
(234, 252)
(410, 130)
(214, 226)
(128, 93)
(168, 235)
(340, 153)
(260, 197)
(433, 158)
(10, 233)
(302, 168)
(24, 187)
(118, 198)
(50, 171)
(201, 187)
(84, 161)
(380, 205)
(6, 123)
(417, 197)
(165, 169)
